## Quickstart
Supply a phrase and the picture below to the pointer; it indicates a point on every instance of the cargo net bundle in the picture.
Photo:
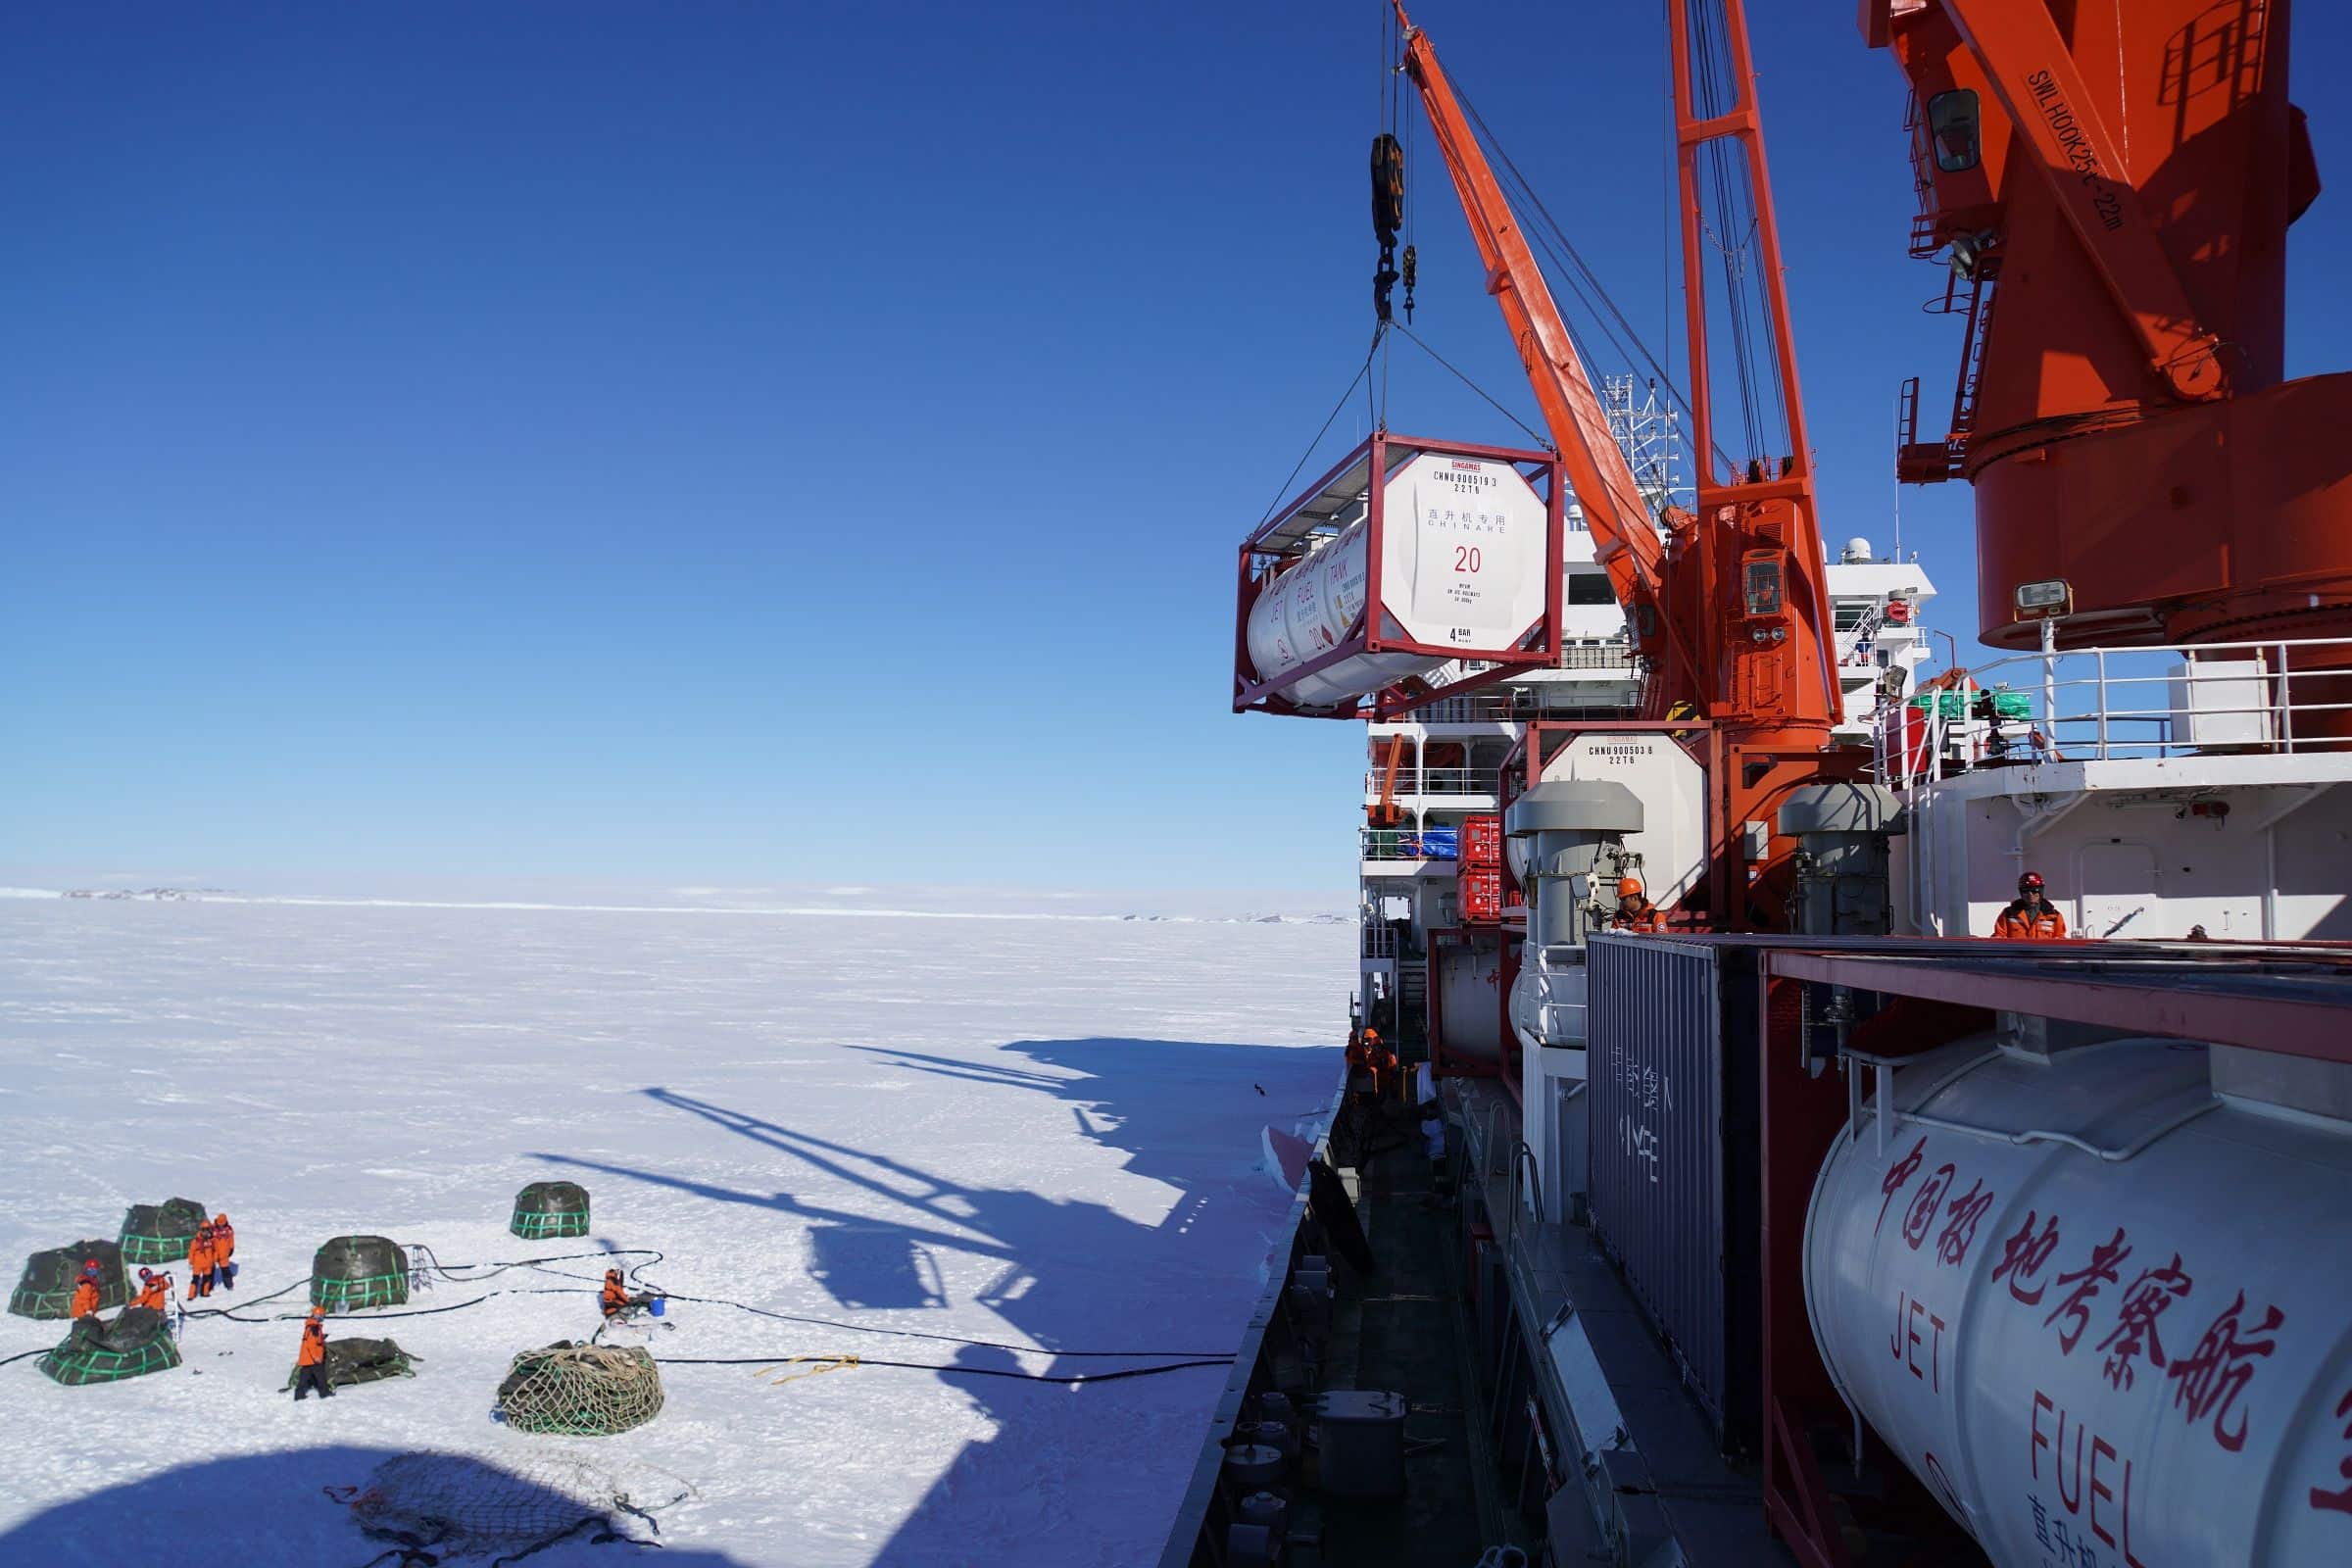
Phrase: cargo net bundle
(456, 1506)
(585, 1391)
(350, 1362)
(134, 1345)
(45, 1290)
(160, 1233)
(548, 1211)
(353, 1273)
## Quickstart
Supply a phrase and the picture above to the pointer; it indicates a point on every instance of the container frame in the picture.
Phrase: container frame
(1359, 478)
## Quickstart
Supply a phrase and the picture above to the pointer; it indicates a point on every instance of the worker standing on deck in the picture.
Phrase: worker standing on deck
(85, 1291)
(200, 1261)
(155, 1290)
(310, 1361)
(225, 1252)
(2030, 918)
(1635, 911)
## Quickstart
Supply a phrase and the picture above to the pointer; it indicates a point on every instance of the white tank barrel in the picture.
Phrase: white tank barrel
(2099, 1315)
(1464, 552)
(1306, 611)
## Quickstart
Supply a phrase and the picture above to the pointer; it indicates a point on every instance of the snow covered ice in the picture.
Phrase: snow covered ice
(1040, 1132)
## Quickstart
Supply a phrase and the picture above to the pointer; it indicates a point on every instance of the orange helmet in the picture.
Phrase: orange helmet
(1629, 887)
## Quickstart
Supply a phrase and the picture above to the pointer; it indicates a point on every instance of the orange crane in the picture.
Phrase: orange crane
(2112, 197)
(1730, 608)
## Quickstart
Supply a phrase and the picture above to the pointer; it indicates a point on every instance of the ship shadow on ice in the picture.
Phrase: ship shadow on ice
(274, 1510)
(1077, 1274)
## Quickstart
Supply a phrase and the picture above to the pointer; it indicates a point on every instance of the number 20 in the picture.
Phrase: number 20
(1466, 558)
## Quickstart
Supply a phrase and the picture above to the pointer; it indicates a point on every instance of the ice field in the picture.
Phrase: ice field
(1040, 1132)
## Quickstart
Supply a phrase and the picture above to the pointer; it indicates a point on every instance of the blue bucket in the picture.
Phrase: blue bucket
(655, 1307)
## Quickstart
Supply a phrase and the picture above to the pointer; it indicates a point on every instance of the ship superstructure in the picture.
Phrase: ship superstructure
(1434, 894)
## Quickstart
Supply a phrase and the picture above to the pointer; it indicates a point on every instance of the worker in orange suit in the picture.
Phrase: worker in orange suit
(200, 1261)
(310, 1361)
(616, 1302)
(155, 1290)
(224, 1253)
(1379, 1061)
(85, 1291)
(2031, 917)
(1635, 911)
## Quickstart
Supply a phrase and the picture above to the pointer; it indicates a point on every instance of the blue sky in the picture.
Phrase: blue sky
(790, 443)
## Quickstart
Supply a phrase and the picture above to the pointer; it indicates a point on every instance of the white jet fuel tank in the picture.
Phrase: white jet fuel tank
(1464, 542)
(2103, 1314)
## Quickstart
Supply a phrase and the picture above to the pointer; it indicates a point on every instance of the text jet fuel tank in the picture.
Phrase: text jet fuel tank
(2095, 1304)
(1364, 583)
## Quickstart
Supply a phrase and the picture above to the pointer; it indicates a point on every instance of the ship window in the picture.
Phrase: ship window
(1847, 614)
(1953, 127)
(1763, 579)
(1590, 588)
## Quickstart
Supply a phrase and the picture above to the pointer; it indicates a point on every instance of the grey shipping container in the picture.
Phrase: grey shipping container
(1675, 1177)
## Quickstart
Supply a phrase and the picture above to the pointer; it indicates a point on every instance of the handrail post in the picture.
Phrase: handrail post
(2287, 705)
(2049, 679)
(2102, 658)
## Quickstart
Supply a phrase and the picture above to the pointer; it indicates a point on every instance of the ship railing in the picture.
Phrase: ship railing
(1559, 1018)
(1408, 844)
(1434, 781)
(1379, 939)
(2277, 696)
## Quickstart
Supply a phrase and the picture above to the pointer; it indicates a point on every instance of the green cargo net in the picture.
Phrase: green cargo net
(546, 1210)
(351, 1362)
(580, 1390)
(135, 1345)
(47, 1288)
(353, 1273)
(355, 1295)
(160, 1233)
(540, 1227)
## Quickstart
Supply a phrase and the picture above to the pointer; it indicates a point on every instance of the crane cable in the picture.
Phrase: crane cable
(1569, 263)
(1362, 371)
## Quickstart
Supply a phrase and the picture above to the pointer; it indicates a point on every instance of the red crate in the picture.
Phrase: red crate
(1481, 842)
(1481, 895)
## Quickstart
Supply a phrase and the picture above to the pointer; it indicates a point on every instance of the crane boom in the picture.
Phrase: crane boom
(1624, 538)
(1730, 609)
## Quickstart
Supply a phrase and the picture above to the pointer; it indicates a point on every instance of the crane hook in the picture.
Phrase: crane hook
(1387, 217)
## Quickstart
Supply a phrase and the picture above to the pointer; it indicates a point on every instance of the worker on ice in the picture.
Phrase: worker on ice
(155, 1290)
(2029, 916)
(1635, 911)
(200, 1261)
(85, 1291)
(225, 1252)
(616, 1302)
(310, 1361)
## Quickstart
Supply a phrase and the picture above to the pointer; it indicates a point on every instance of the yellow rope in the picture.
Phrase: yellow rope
(821, 1364)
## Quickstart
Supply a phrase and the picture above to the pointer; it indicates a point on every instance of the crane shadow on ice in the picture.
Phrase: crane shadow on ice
(1076, 1273)
(255, 1510)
